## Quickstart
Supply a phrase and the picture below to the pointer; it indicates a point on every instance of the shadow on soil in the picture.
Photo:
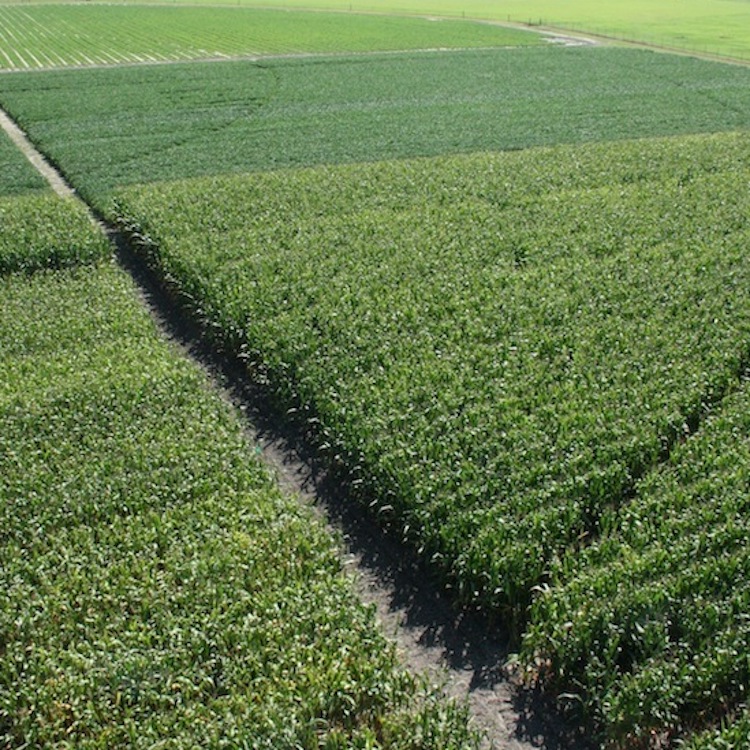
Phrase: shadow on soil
(467, 652)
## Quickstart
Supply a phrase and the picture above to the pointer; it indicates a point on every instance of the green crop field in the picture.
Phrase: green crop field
(46, 231)
(501, 349)
(55, 35)
(502, 292)
(715, 26)
(156, 588)
(111, 127)
(651, 622)
(500, 352)
(18, 176)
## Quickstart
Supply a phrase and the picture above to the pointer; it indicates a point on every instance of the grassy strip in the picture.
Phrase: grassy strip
(17, 176)
(113, 127)
(651, 622)
(45, 231)
(156, 588)
(497, 364)
(58, 34)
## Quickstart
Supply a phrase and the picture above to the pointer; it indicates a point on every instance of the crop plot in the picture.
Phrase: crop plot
(17, 176)
(712, 26)
(499, 345)
(155, 585)
(650, 624)
(37, 228)
(119, 126)
(59, 35)
(531, 366)
(501, 348)
(46, 231)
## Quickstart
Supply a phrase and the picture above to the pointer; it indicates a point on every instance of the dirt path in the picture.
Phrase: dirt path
(458, 651)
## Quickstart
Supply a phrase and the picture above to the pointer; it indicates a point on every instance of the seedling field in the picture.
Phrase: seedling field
(714, 27)
(502, 292)
(705, 26)
(651, 622)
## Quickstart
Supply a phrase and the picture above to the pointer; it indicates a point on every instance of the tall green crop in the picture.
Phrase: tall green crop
(46, 231)
(649, 624)
(497, 346)
(156, 588)
(17, 176)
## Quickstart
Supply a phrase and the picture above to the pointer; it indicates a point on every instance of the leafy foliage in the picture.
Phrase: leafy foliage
(733, 735)
(496, 346)
(156, 588)
(651, 621)
(45, 231)
(718, 28)
(17, 176)
(112, 127)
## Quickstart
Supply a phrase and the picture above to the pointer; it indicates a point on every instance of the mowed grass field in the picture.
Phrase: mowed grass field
(531, 367)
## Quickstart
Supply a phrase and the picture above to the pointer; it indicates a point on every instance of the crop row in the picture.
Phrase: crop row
(111, 127)
(155, 586)
(732, 735)
(43, 36)
(497, 370)
(649, 625)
